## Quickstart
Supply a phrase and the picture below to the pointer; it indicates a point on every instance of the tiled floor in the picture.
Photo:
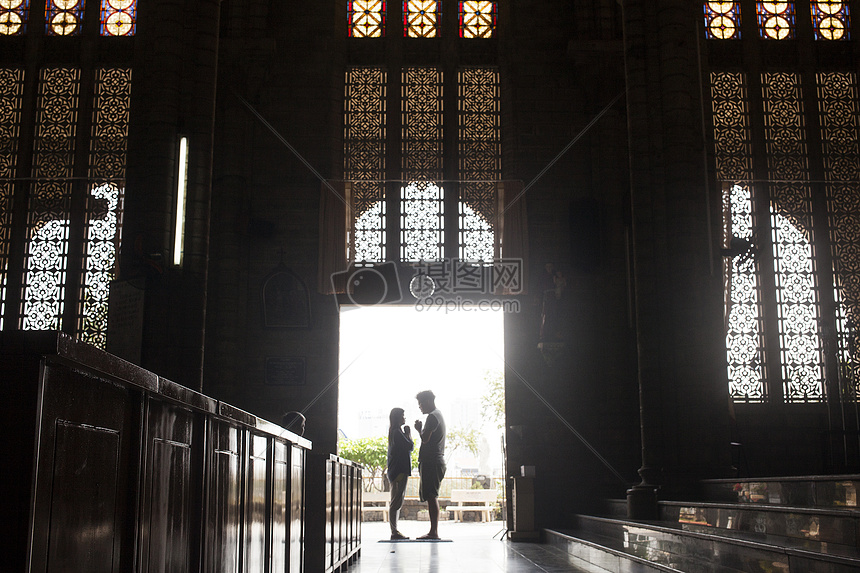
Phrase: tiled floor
(472, 549)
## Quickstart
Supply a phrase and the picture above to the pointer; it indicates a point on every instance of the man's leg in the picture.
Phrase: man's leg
(433, 510)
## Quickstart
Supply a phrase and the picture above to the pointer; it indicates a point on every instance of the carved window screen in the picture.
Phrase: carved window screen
(11, 89)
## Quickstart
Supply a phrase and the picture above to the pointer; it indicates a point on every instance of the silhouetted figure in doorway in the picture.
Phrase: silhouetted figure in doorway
(400, 447)
(431, 457)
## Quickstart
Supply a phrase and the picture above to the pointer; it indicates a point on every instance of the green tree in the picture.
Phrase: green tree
(372, 453)
(462, 438)
(493, 400)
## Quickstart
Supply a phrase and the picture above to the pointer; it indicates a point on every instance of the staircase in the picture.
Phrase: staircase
(788, 525)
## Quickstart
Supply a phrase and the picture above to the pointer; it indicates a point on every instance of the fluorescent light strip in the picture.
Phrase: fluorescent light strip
(181, 187)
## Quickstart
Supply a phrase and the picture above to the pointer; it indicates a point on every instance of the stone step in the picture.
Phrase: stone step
(819, 525)
(836, 492)
(671, 546)
(598, 555)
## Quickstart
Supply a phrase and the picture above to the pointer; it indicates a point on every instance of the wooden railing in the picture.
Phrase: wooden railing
(109, 467)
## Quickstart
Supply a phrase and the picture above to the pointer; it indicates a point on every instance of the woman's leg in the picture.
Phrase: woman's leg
(398, 491)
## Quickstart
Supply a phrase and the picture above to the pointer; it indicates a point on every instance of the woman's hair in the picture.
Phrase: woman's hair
(394, 416)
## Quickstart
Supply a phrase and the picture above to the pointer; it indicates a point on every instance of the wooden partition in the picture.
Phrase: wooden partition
(343, 514)
(110, 468)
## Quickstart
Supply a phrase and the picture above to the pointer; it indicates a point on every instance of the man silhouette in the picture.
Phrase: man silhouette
(431, 457)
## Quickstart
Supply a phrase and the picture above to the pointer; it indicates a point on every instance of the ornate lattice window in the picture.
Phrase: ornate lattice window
(72, 223)
(796, 289)
(421, 18)
(64, 17)
(722, 20)
(104, 205)
(830, 19)
(733, 154)
(118, 17)
(364, 160)
(477, 19)
(419, 192)
(775, 20)
(479, 155)
(50, 200)
(422, 199)
(13, 17)
(838, 117)
(772, 276)
(366, 18)
(11, 88)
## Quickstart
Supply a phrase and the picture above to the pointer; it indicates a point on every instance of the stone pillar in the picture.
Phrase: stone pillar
(680, 342)
(173, 95)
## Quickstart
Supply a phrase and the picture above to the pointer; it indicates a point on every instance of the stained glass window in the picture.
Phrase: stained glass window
(722, 20)
(479, 161)
(118, 17)
(830, 19)
(64, 17)
(11, 88)
(364, 160)
(13, 17)
(477, 19)
(366, 18)
(422, 199)
(420, 18)
(775, 20)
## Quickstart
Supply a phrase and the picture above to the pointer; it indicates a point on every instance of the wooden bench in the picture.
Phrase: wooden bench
(372, 497)
(485, 500)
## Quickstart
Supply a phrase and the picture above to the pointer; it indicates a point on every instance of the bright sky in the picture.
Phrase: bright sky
(390, 353)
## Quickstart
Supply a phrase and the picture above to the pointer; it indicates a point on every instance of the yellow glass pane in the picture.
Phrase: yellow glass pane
(832, 28)
(830, 7)
(777, 27)
(10, 23)
(10, 4)
(118, 24)
(120, 4)
(775, 7)
(64, 23)
(65, 4)
(722, 27)
(720, 7)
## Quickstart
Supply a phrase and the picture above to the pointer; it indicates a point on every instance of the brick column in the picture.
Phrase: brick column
(680, 342)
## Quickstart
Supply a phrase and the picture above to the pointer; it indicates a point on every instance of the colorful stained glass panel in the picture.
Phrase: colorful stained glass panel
(64, 17)
(830, 19)
(775, 20)
(366, 18)
(477, 19)
(13, 17)
(118, 17)
(722, 20)
(420, 18)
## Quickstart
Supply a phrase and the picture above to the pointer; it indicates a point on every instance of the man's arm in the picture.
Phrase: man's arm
(430, 427)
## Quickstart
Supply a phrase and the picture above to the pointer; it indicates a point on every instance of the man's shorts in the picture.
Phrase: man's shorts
(431, 479)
